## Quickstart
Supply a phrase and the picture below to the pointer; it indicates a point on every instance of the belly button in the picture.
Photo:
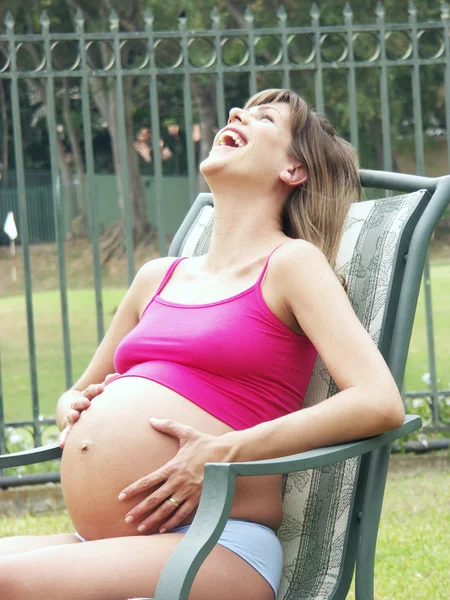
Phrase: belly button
(85, 446)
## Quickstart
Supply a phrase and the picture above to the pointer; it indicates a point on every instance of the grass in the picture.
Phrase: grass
(83, 339)
(417, 364)
(413, 552)
(49, 345)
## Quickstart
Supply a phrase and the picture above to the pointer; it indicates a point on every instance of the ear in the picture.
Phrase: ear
(294, 175)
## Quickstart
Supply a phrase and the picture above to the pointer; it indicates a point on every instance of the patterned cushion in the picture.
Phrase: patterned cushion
(317, 503)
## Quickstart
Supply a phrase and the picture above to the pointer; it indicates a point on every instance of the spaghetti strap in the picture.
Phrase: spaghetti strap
(170, 270)
(164, 280)
(263, 272)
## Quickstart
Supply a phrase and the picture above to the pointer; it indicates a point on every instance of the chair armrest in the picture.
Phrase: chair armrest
(29, 457)
(217, 498)
(322, 457)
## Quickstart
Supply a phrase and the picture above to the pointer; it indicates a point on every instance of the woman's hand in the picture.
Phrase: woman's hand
(180, 480)
(81, 403)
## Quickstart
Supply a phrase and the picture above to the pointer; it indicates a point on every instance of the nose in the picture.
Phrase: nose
(237, 114)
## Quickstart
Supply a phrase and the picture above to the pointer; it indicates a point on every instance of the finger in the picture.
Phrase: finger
(179, 515)
(149, 504)
(73, 416)
(110, 377)
(143, 484)
(159, 516)
(182, 432)
(93, 390)
(80, 403)
(64, 434)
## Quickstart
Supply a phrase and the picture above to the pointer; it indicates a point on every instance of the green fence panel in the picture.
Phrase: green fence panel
(111, 62)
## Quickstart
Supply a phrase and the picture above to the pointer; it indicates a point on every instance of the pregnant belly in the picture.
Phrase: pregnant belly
(113, 445)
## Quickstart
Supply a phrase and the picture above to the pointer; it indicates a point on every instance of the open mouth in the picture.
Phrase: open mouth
(232, 139)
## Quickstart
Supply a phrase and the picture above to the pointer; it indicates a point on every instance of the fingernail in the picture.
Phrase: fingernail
(129, 519)
(122, 496)
(155, 420)
(163, 530)
(142, 527)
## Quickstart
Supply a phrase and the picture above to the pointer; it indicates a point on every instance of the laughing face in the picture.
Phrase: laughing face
(254, 145)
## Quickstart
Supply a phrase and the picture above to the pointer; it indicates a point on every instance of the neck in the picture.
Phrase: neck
(247, 224)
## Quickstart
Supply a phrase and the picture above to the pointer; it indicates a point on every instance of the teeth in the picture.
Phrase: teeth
(236, 137)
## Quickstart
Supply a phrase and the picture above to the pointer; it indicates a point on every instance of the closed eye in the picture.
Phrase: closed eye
(266, 116)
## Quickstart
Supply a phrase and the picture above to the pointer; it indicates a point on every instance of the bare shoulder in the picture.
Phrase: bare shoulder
(299, 259)
(298, 251)
(147, 280)
(154, 270)
(305, 279)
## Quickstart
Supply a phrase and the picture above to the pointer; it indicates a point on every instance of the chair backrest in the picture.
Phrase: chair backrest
(318, 503)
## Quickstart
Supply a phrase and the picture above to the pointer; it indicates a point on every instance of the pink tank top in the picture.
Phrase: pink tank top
(233, 358)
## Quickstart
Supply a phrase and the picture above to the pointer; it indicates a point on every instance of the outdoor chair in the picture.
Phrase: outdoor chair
(332, 496)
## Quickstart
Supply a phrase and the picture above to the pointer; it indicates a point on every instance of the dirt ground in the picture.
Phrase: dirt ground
(79, 267)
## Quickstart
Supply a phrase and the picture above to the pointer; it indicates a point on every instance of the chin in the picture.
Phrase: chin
(211, 166)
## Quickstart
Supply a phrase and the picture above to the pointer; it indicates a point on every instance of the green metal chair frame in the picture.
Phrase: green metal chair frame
(220, 479)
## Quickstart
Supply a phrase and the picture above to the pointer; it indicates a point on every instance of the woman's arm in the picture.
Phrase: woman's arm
(368, 403)
(126, 318)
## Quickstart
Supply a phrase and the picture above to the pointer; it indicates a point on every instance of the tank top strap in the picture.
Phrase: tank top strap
(166, 277)
(263, 272)
(170, 270)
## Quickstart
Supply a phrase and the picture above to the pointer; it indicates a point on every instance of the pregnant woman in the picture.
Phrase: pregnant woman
(212, 357)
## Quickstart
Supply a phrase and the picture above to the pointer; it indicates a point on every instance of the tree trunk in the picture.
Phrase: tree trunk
(140, 221)
(67, 187)
(205, 97)
(79, 220)
(105, 99)
(39, 90)
(113, 245)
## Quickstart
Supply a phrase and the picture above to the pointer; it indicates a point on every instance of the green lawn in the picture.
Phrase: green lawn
(413, 551)
(49, 343)
(417, 360)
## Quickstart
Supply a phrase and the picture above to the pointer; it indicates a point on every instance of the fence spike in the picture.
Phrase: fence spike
(314, 13)
(412, 10)
(182, 16)
(281, 13)
(445, 10)
(215, 17)
(379, 10)
(44, 20)
(79, 18)
(114, 20)
(9, 20)
(348, 12)
(248, 15)
(148, 17)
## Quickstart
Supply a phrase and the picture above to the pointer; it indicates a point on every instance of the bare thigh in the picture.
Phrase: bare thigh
(25, 543)
(122, 568)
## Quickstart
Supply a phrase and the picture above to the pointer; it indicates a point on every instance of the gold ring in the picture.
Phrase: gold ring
(174, 502)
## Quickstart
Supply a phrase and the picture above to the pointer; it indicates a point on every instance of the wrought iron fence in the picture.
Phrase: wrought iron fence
(282, 55)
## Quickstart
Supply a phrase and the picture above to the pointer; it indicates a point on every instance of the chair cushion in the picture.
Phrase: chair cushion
(317, 503)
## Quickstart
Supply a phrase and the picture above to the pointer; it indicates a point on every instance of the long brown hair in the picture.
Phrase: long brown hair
(316, 210)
